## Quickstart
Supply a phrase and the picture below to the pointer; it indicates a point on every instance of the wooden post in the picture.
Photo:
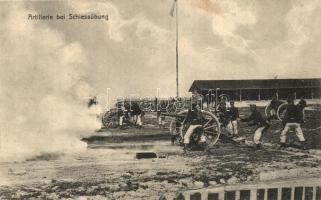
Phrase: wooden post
(265, 194)
(279, 193)
(240, 95)
(259, 95)
(253, 194)
(314, 192)
(292, 193)
(237, 195)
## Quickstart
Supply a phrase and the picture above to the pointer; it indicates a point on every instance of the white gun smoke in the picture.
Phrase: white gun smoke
(43, 89)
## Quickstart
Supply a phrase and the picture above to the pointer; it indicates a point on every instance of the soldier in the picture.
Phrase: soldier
(137, 113)
(261, 123)
(160, 119)
(274, 107)
(233, 119)
(195, 119)
(292, 119)
(122, 114)
(301, 106)
(92, 101)
(223, 115)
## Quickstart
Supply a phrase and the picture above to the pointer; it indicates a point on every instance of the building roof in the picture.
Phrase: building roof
(255, 84)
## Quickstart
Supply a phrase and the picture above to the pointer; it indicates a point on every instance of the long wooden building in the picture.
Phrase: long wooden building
(260, 89)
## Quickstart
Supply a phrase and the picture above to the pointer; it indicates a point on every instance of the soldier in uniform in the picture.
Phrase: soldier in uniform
(260, 122)
(301, 106)
(274, 107)
(122, 114)
(292, 120)
(137, 113)
(195, 119)
(233, 119)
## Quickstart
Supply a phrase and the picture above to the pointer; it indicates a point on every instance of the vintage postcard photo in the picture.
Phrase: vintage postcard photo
(160, 99)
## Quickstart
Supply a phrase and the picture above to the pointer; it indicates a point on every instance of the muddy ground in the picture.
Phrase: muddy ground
(108, 169)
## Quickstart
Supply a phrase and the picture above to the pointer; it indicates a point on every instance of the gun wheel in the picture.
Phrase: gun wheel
(211, 127)
(281, 111)
(110, 119)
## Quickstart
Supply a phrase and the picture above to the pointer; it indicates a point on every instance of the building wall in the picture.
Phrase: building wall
(268, 94)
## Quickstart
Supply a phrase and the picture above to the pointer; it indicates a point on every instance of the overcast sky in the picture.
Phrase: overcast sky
(134, 51)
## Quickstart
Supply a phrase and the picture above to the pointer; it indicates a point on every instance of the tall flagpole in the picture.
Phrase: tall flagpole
(177, 82)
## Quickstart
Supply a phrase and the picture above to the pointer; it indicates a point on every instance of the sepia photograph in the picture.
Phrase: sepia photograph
(160, 99)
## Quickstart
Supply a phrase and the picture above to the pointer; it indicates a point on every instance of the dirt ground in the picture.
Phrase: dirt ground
(108, 169)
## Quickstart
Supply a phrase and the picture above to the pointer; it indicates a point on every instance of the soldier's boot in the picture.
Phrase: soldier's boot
(187, 147)
(283, 145)
(258, 146)
(303, 145)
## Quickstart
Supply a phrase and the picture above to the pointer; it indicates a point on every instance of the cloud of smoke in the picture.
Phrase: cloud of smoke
(42, 89)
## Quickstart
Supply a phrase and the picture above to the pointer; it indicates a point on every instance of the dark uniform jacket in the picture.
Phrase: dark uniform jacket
(234, 113)
(223, 114)
(292, 114)
(274, 104)
(257, 119)
(135, 109)
(194, 117)
(302, 104)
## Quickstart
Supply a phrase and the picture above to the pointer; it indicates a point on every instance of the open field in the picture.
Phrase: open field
(108, 169)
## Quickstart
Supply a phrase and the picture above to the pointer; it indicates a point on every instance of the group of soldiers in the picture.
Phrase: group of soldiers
(229, 119)
(130, 113)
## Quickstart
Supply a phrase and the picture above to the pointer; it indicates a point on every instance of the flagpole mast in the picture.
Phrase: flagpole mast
(177, 82)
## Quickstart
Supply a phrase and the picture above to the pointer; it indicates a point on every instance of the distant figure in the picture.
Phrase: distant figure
(274, 106)
(92, 101)
(197, 98)
(301, 106)
(292, 120)
(160, 119)
(234, 117)
(261, 123)
(137, 113)
(223, 115)
(122, 114)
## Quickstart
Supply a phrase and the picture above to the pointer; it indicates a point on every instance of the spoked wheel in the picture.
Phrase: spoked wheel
(110, 119)
(224, 98)
(211, 128)
(268, 108)
(171, 108)
(147, 106)
(281, 111)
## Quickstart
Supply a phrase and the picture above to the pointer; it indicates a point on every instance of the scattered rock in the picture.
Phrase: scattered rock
(250, 178)
(222, 181)
(114, 188)
(52, 196)
(54, 188)
(232, 180)
(127, 175)
(186, 183)
(212, 183)
(123, 187)
(80, 190)
(198, 184)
